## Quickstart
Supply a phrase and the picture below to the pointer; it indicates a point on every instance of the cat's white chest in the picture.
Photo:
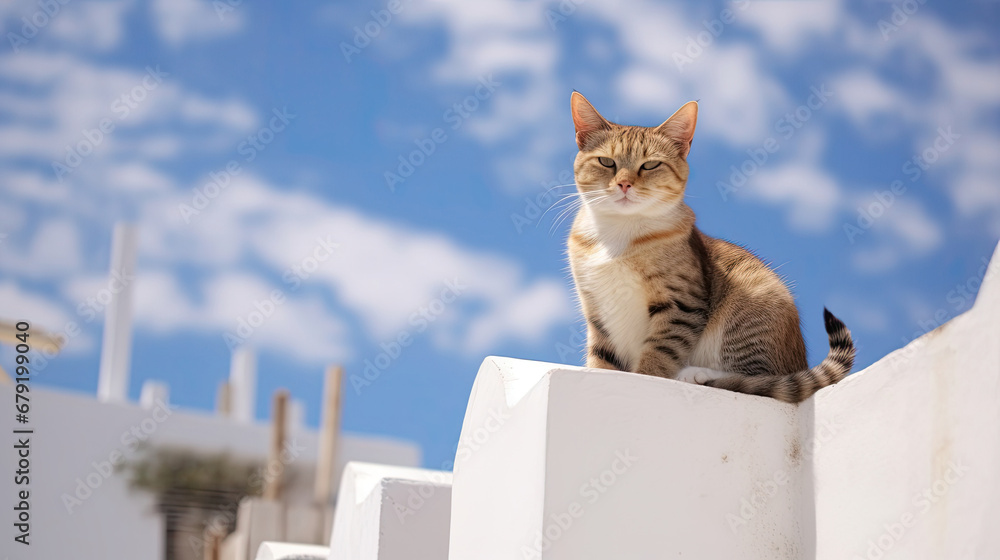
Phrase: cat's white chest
(620, 302)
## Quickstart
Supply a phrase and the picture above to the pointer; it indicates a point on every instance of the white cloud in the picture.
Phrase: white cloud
(864, 96)
(11, 218)
(380, 271)
(962, 96)
(740, 95)
(514, 41)
(976, 189)
(232, 113)
(643, 87)
(180, 21)
(229, 302)
(811, 195)
(138, 177)
(787, 26)
(508, 41)
(739, 98)
(77, 95)
(21, 304)
(911, 223)
(52, 251)
(34, 186)
(159, 146)
(978, 192)
(92, 25)
(526, 317)
(900, 230)
(18, 304)
(469, 21)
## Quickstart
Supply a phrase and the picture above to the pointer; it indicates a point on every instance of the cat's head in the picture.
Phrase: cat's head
(631, 170)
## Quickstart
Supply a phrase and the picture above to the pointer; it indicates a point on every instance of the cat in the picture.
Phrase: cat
(662, 298)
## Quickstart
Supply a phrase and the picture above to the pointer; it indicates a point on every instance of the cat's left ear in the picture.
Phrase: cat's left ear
(680, 126)
(586, 119)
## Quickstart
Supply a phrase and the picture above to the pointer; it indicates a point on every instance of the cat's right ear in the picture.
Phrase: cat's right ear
(586, 119)
(680, 126)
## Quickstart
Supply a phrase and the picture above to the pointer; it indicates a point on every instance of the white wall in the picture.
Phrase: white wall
(391, 513)
(911, 464)
(286, 551)
(73, 431)
(566, 463)
(901, 460)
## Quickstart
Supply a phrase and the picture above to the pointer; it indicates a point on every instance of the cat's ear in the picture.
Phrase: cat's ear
(680, 126)
(586, 119)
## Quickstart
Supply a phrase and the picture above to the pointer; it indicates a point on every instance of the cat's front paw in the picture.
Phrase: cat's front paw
(700, 375)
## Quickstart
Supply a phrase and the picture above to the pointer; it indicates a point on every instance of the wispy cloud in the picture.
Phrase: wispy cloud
(182, 21)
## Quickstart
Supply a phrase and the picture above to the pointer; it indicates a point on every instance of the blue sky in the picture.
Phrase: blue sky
(852, 144)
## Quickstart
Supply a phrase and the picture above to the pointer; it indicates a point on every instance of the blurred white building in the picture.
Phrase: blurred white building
(82, 507)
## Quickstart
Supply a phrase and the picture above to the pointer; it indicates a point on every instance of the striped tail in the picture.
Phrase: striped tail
(799, 386)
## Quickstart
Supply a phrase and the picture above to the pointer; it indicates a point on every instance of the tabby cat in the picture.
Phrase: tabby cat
(662, 298)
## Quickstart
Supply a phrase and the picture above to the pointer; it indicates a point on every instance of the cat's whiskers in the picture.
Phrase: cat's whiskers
(574, 196)
(569, 210)
(576, 200)
(560, 186)
(595, 198)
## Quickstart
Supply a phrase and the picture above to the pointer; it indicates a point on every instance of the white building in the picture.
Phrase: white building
(83, 509)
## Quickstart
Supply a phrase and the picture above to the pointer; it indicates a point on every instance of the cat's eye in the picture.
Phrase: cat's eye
(606, 161)
(650, 165)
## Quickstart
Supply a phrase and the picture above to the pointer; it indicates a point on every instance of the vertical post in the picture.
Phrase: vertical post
(296, 418)
(223, 400)
(153, 393)
(243, 385)
(116, 348)
(329, 431)
(212, 544)
(275, 467)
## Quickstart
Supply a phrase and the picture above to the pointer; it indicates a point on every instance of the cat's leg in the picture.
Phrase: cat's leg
(600, 352)
(673, 330)
(702, 375)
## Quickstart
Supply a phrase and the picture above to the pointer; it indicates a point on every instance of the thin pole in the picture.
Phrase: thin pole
(275, 466)
(329, 433)
(116, 348)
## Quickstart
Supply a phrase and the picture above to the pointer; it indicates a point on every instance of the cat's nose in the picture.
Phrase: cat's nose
(625, 186)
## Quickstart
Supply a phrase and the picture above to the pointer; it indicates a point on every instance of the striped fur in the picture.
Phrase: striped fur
(662, 298)
(800, 385)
